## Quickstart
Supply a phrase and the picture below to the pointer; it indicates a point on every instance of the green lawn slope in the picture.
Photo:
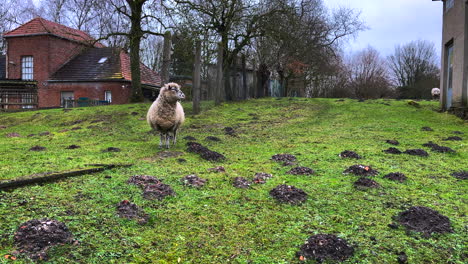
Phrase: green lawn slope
(219, 223)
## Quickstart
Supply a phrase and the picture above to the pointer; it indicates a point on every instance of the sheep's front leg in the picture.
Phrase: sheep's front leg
(161, 139)
(168, 140)
(175, 137)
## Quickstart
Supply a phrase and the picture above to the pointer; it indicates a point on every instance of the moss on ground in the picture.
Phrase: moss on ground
(219, 223)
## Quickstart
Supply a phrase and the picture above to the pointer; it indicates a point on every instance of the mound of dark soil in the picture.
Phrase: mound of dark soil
(35, 237)
(217, 169)
(37, 148)
(11, 135)
(204, 152)
(111, 149)
(392, 151)
(288, 194)
(261, 177)
(241, 182)
(190, 138)
(134, 113)
(426, 129)
(73, 147)
(393, 142)
(46, 133)
(396, 176)
(366, 182)
(455, 138)
(437, 148)
(463, 175)
(458, 132)
(349, 154)
(126, 209)
(301, 171)
(416, 152)
(323, 247)
(157, 191)
(31, 135)
(3, 127)
(361, 170)
(193, 180)
(212, 138)
(143, 180)
(76, 128)
(284, 158)
(229, 131)
(425, 220)
(429, 144)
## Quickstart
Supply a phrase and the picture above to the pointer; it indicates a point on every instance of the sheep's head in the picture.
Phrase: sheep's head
(172, 92)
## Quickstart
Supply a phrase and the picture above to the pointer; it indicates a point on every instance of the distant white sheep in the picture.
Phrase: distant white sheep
(435, 93)
(166, 114)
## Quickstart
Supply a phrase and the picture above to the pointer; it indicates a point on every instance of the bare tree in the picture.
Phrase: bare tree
(368, 76)
(414, 68)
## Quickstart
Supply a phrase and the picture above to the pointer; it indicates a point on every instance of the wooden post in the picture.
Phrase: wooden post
(245, 90)
(166, 58)
(219, 76)
(196, 78)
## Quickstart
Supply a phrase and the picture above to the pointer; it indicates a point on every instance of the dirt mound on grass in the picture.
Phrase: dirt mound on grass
(241, 182)
(396, 176)
(143, 180)
(111, 149)
(190, 138)
(37, 148)
(426, 129)
(157, 191)
(393, 142)
(126, 209)
(349, 154)
(204, 152)
(455, 138)
(416, 152)
(323, 247)
(392, 151)
(229, 131)
(301, 171)
(35, 237)
(73, 147)
(212, 138)
(217, 169)
(193, 180)
(425, 220)
(284, 158)
(288, 194)
(437, 148)
(458, 132)
(361, 170)
(11, 135)
(463, 175)
(261, 177)
(366, 182)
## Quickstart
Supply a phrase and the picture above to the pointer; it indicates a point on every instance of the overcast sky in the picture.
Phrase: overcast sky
(393, 22)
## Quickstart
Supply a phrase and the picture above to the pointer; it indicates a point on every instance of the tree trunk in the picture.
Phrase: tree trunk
(196, 78)
(219, 76)
(166, 58)
(245, 90)
(137, 92)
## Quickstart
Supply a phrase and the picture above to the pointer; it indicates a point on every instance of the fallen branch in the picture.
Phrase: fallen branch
(51, 176)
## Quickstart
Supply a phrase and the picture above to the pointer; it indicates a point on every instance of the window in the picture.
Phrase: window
(448, 4)
(108, 96)
(67, 99)
(27, 68)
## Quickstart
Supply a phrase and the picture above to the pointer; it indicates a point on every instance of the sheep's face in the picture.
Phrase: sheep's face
(172, 92)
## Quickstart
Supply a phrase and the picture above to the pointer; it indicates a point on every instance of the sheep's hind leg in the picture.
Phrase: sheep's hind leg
(174, 141)
(168, 140)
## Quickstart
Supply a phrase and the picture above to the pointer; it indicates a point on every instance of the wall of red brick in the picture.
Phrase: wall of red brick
(50, 95)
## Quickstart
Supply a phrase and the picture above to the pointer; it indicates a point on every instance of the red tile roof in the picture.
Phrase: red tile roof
(40, 26)
(86, 67)
(147, 75)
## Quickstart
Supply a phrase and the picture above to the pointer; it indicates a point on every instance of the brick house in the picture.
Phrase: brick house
(57, 62)
(454, 57)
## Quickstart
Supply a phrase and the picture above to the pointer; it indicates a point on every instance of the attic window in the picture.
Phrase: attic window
(102, 60)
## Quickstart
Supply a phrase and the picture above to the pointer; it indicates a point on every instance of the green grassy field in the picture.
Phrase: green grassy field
(219, 223)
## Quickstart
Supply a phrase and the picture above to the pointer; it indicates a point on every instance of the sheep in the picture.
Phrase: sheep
(166, 114)
(435, 93)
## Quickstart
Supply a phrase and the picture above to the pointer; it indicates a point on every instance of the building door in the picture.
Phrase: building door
(108, 96)
(449, 92)
(66, 99)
